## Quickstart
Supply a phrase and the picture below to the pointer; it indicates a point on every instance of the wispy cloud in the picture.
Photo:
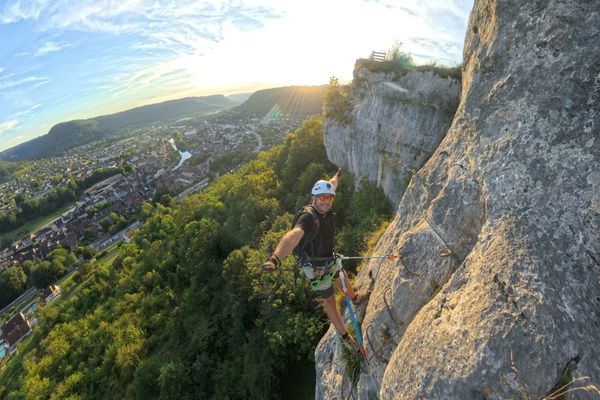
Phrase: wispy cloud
(423, 48)
(143, 16)
(15, 11)
(393, 5)
(32, 80)
(28, 111)
(51, 47)
(6, 126)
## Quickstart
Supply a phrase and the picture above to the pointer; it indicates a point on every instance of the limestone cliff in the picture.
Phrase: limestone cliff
(496, 292)
(396, 125)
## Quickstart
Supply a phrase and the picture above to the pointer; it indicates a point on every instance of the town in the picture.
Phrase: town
(143, 165)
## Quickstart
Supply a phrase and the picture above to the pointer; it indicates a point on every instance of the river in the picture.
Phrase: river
(184, 154)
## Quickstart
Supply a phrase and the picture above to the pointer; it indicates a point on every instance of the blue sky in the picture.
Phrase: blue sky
(70, 59)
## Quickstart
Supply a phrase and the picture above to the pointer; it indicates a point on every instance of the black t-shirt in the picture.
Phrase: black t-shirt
(322, 244)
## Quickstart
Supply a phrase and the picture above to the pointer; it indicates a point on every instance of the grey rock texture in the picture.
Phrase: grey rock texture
(396, 126)
(496, 291)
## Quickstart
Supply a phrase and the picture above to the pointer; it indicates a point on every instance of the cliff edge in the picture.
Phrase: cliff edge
(395, 125)
(496, 291)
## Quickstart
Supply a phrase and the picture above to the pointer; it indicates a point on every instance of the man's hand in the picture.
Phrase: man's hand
(268, 267)
(335, 180)
(271, 264)
(338, 260)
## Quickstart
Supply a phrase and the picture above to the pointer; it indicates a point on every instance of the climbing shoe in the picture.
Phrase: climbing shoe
(361, 296)
(350, 344)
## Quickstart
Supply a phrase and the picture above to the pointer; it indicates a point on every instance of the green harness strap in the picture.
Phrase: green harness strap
(326, 279)
(316, 283)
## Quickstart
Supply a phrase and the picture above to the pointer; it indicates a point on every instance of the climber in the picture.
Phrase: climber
(311, 240)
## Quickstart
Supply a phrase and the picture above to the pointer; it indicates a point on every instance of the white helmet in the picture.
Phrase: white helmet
(323, 187)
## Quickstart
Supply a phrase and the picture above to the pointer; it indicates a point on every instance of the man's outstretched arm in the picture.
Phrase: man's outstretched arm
(284, 248)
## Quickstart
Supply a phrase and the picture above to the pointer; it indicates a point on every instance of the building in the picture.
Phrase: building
(50, 293)
(15, 329)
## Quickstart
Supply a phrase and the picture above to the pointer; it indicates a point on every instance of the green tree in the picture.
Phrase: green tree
(166, 200)
(336, 105)
(301, 149)
(87, 252)
(42, 274)
(88, 236)
(57, 264)
(173, 379)
(13, 282)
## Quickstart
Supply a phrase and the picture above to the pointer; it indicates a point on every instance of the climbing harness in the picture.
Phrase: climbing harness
(320, 271)
(319, 275)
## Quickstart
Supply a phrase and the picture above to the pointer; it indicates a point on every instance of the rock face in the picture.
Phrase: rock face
(496, 292)
(396, 126)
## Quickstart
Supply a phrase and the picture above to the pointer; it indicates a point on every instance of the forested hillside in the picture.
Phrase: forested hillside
(184, 311)
(166, 111)
(295, 100)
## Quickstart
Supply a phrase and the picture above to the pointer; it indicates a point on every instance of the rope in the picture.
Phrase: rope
(365, 258)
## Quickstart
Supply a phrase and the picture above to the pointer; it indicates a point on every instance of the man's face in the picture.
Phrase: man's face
(323, 202)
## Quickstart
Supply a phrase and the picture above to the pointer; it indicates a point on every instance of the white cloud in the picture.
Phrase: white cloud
(51, 47)
(15, 11)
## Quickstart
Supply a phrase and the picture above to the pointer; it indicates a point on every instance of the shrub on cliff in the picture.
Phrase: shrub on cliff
(398, 63)
(336, 105)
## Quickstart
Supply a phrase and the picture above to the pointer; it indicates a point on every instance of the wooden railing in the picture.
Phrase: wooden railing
(377, 56)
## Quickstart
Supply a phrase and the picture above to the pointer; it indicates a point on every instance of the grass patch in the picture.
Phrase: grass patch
(340, 296)
(398, 63)
(352, 361)
(109, 254)
(373, 239)
(442, 70)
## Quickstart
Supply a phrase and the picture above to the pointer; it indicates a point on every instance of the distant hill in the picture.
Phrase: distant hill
(165, 112)
(294, 100)
(66, 135)
(61, 137)
(239, 97)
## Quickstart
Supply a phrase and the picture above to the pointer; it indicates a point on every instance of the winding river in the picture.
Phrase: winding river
(184, 154)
